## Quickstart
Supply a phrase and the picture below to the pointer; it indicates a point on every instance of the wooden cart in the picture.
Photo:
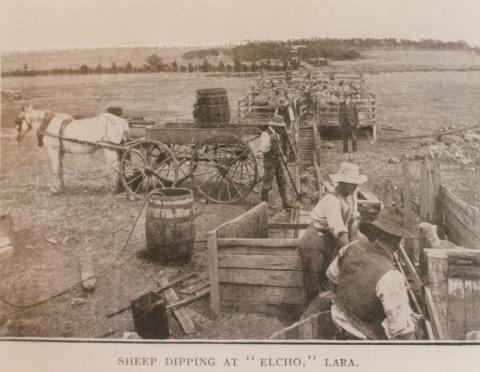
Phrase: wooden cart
(218, 161)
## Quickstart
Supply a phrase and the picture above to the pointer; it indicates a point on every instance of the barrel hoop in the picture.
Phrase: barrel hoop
(171, 206)
(173, 220)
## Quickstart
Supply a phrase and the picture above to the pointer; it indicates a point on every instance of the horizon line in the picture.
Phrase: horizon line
(217, 45)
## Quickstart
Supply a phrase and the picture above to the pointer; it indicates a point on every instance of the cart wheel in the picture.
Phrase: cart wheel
(148, 165)
(223, 168)
(184, 154)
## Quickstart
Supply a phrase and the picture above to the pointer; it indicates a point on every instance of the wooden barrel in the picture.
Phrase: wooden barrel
(211, 108)
(170, 226)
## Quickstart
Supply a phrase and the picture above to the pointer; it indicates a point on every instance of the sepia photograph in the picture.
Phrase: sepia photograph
(220, 174)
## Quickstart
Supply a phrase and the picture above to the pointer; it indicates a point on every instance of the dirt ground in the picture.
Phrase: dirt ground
(51, 232)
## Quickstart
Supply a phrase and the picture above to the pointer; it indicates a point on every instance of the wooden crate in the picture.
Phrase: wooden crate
(453, 287)
(248, 271)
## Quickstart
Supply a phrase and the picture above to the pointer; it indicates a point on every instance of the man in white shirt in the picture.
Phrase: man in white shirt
(334, 221)
(272, 163)
(371, 299)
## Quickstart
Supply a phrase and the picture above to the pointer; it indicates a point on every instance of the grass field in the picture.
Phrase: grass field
(416, 102)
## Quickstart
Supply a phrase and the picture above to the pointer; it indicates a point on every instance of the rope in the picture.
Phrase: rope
(72, 286)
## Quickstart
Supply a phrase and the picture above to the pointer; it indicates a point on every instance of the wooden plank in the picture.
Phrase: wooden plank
(263, 308)
(458, 231)
(180, 314)
(461, 219)
(194, 288)
(177, 306)
(226, 230)
(388, 193)
(280, 278)
(266, 262)
(437, 183)
(287, 225)
(411, 268)
(456, 309)
(428, 327)
(472, 304)
(464, 272)
(261, 293)
(264, 243)
(437, 277)
(212, 262)
(433, 315)
(271, 251)
(87, 269)
(407, 203)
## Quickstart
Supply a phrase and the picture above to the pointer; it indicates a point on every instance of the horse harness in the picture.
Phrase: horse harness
(61, 132)
(42, 130)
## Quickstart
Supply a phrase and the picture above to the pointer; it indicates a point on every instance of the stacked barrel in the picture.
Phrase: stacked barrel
(211, 108)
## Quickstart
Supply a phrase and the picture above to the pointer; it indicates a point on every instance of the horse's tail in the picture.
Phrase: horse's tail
(43, 126)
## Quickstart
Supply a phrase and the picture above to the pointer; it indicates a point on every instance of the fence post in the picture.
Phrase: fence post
(387, 193)
(407, 202)
(437, 201)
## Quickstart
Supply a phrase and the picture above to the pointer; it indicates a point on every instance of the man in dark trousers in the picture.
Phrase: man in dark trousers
(269, 146)
(348, 119)
(371, 300)
(334, 224)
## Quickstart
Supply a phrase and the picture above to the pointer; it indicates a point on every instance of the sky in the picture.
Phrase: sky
(64, 24)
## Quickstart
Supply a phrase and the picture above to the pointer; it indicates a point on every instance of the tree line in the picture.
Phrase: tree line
(154, 63)
(322, 48)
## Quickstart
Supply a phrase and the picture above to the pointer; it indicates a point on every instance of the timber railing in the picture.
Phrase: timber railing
(248, 271)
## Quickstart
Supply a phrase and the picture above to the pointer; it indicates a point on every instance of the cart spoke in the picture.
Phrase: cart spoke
(234, 185)
(135, 164)
(134, 179)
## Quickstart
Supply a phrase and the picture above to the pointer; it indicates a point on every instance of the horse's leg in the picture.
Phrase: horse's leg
(56, 159)
(113, 160)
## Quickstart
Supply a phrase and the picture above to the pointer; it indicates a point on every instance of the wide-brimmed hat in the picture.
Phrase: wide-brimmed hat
(389, 221)
(348, 173)
(282, 101)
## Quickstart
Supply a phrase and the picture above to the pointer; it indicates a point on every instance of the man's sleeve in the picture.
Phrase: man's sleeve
(334, 216)
(264, 142)
(392, 292)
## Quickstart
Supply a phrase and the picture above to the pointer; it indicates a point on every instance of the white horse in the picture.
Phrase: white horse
(80, 137)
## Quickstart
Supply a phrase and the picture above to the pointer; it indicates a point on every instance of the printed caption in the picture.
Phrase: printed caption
(251, 360)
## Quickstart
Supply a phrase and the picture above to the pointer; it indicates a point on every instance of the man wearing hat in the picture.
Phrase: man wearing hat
(348, 120)
(334, 224)
(371, 300)
(272, 163)
(284, 111)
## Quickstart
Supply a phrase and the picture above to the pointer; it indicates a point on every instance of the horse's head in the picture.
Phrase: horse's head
(23, 122)
(29, 119)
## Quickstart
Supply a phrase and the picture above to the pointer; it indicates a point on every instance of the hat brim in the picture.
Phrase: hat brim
(391, 229)
(357, 180)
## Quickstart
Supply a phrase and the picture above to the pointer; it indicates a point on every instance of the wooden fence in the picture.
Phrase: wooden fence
(451, 269)
(249, 271)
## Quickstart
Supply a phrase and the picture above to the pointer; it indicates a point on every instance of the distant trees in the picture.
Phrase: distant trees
(155, 62)
(257, 56)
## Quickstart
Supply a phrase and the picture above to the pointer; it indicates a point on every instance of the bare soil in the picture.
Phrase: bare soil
(87, 215)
